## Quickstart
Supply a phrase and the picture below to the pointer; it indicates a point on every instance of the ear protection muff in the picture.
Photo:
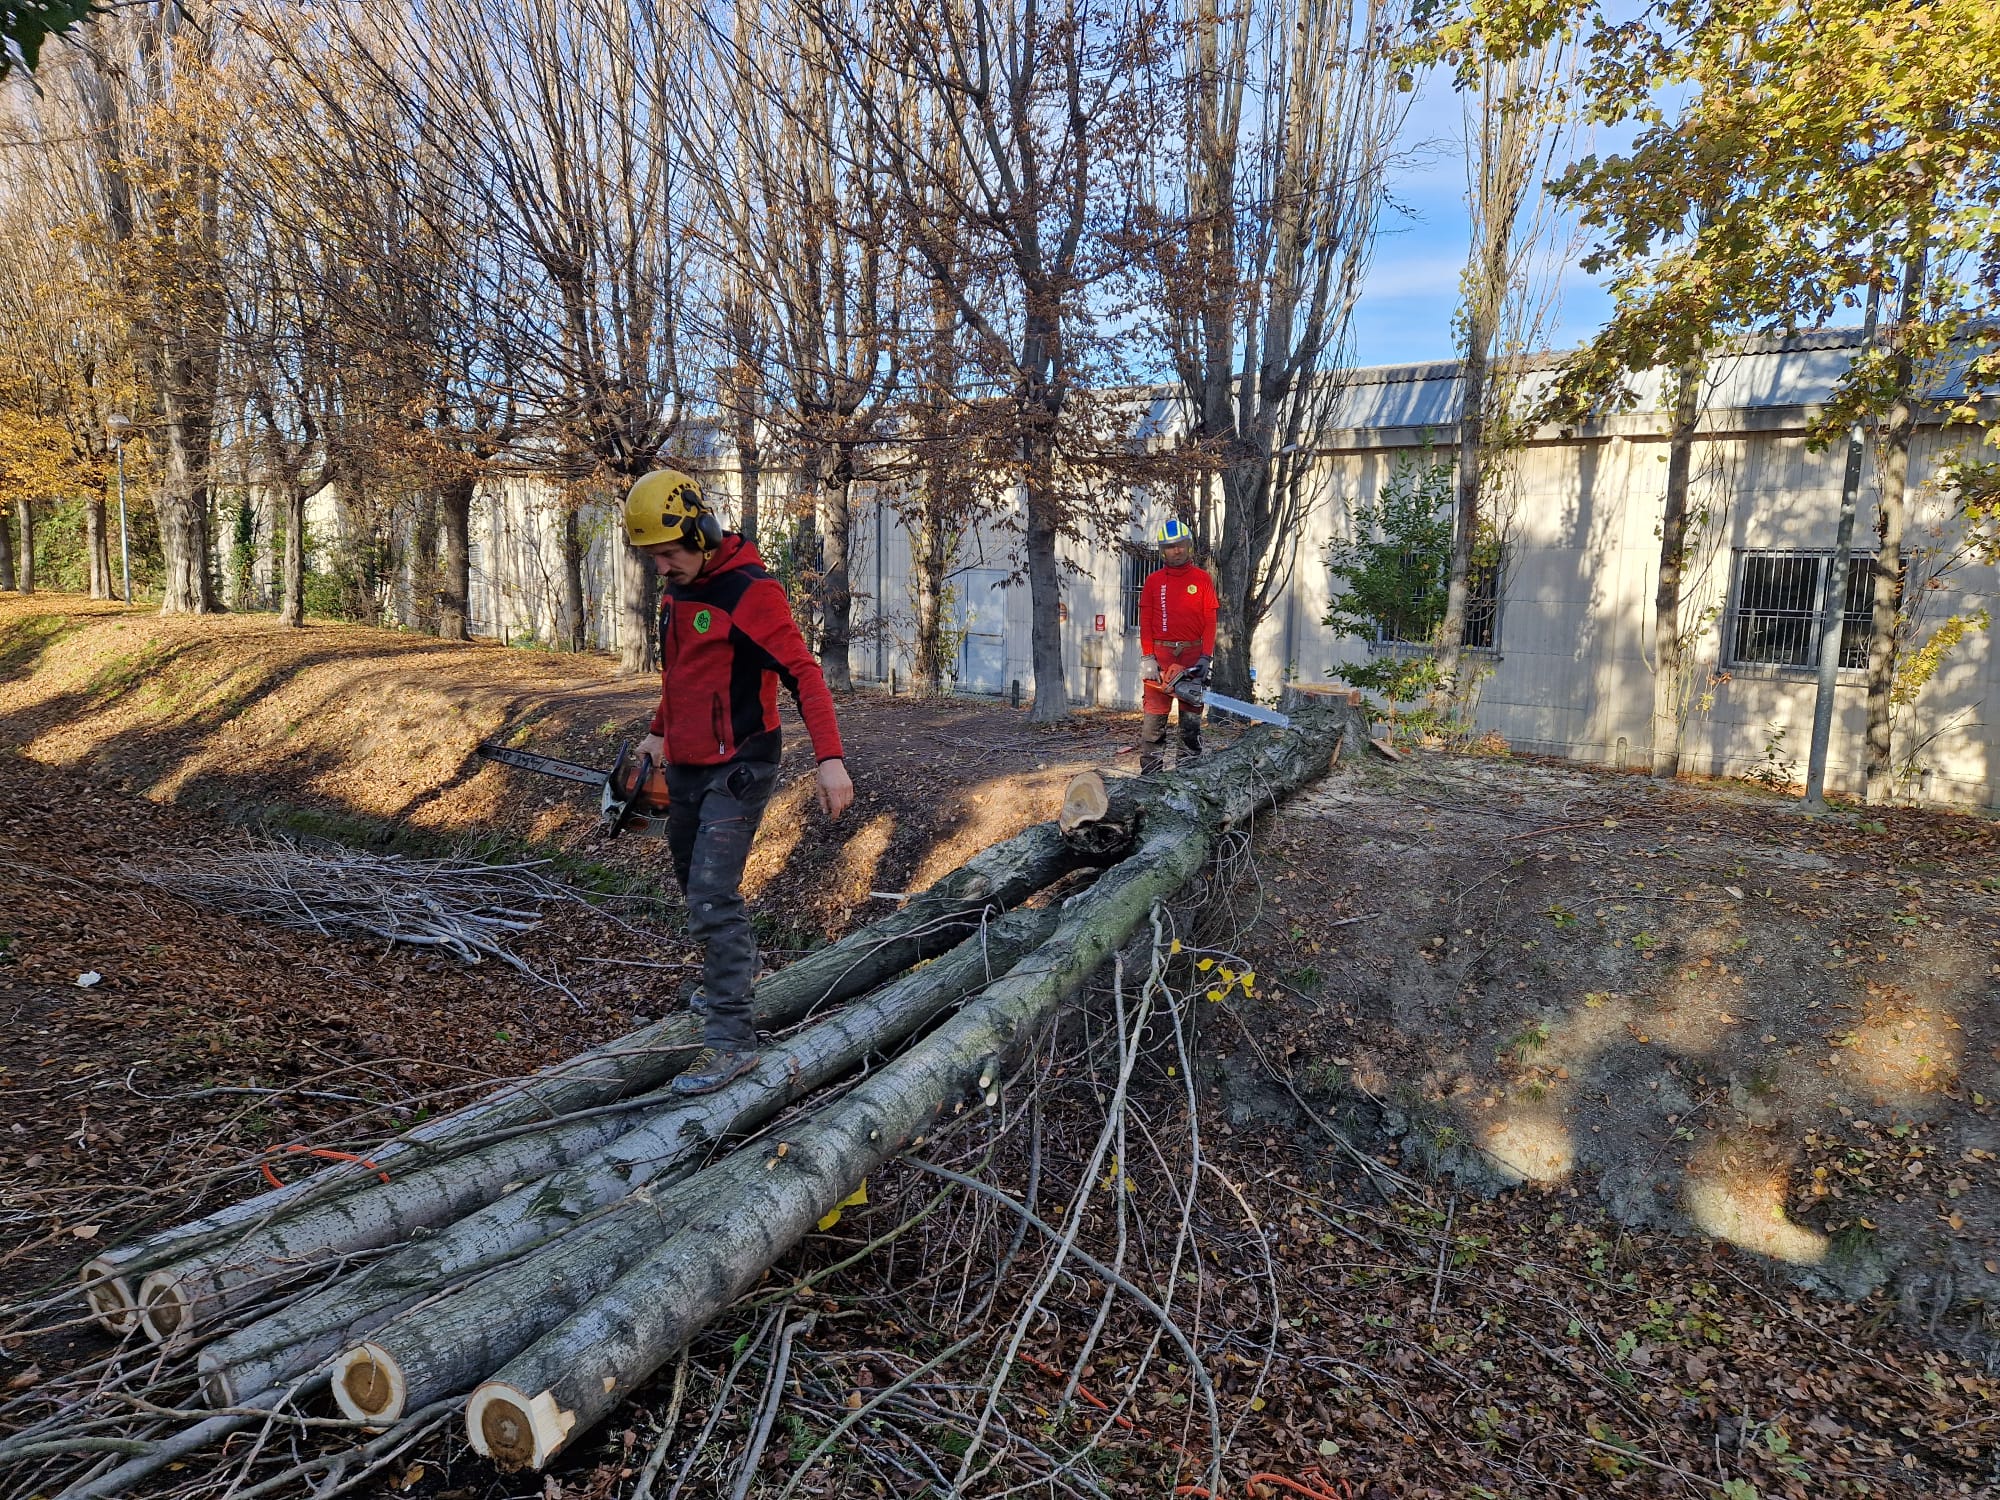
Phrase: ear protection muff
(707, 531)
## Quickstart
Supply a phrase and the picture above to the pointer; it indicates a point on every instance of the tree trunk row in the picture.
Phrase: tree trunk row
(762, 1200)
(993, 880)
(652, 1152)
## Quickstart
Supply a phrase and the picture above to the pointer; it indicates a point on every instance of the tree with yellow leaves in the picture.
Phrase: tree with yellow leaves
(1788, 159)
(34, 467)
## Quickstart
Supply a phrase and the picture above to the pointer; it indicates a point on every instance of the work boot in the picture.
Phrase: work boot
(1152, 742)
(712, 1069)
(1190, 750)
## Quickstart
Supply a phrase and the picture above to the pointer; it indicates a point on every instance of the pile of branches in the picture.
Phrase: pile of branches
(522, 1265)
(458, 906)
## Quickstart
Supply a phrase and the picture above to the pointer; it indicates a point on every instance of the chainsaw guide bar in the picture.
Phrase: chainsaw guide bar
(629, 801)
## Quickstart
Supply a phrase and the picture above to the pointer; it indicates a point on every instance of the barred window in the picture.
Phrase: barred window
(1777, 620)
(1136, 563)
(1417, 623)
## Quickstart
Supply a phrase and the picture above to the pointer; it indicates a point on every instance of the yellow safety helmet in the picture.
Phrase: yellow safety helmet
(666, 506)
(1173, 533)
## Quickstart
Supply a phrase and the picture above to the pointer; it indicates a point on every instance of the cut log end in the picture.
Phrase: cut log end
(217, 1389)
(166, 1311)
(110, 1298)
(1098, 817)
(1085, 801)
(513, 1429)
(369, 1385)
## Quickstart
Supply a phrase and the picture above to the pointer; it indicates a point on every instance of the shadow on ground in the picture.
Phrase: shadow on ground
(1684, 1000)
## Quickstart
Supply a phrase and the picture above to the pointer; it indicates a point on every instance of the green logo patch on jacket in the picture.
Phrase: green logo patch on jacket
(702, 620)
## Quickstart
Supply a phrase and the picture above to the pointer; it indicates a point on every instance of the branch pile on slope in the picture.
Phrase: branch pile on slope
(463, 908)
(533, 1258)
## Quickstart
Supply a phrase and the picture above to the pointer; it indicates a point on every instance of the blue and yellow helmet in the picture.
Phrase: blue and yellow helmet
(1173, 534)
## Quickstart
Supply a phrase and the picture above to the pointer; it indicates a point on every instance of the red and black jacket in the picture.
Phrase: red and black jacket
(726, 640)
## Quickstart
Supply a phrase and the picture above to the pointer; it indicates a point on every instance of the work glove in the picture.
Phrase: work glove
(1149, 670)
(1200, 668)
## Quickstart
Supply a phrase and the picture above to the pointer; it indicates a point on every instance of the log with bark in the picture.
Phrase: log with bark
(618, 1185)
(554, 1244)
(757, 1204)
(605, 1078)
(761, 1201)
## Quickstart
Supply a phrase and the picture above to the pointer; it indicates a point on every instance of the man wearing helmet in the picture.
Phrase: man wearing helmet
(1177, 609)
(727, 639)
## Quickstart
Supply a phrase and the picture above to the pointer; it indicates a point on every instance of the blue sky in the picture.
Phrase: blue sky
(1407, 302)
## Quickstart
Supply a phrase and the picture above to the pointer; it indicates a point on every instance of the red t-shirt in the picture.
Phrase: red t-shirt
(1178, 604)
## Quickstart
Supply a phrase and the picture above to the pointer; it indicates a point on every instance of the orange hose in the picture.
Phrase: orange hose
(321, 1152)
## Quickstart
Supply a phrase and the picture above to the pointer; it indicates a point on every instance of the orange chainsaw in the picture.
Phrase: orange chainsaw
(631, 799)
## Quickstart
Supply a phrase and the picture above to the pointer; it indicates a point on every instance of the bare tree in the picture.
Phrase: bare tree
(556, 118)
(814, 285)
(1509, 139)
(283, 358)
(1260, 237)
(999, 125)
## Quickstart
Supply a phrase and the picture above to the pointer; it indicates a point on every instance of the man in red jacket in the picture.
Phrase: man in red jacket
(1177, 608)
(727, 639)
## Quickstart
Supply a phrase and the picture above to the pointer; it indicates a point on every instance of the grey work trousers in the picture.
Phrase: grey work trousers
(1153, 740)
(712, 815)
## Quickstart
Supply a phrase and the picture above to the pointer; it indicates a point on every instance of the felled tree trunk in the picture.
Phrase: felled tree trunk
(763, 1199)
(448, 1344)
(933, 921)
(178, 1300)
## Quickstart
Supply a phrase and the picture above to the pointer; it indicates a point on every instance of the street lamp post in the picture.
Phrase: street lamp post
(119, 426)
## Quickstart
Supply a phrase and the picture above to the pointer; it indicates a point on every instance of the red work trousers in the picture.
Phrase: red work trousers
(1170, 654)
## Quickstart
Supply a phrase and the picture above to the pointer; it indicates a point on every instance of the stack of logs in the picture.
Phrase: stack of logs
(542, 1252)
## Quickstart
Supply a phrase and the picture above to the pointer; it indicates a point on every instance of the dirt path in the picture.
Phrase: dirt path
(370, 734)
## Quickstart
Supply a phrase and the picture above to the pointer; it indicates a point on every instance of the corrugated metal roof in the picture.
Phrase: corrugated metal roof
(1770, 372)
(1766, 372)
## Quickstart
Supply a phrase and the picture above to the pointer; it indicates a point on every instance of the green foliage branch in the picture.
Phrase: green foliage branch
(27, 25)
(1389, 576)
